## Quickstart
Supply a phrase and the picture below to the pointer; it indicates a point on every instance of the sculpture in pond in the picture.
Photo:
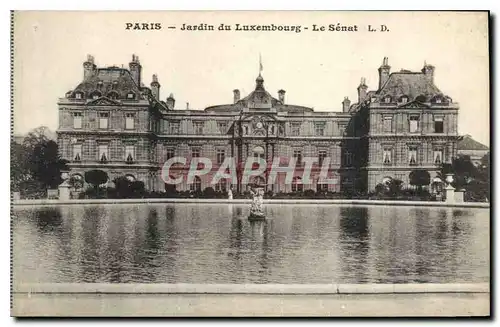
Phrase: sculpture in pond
(256, 209)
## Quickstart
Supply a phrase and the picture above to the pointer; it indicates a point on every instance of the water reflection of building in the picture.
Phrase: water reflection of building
(111, 121)
(354, 243)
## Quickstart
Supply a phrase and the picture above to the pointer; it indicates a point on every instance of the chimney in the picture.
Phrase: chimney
(281, 96)
(171, 101)
(155, 87)
(236, 95)
(428, 71)
(187, 105)
(135, 69)
(89, 67)
(362, 88)
(346, 104)
(383, 72)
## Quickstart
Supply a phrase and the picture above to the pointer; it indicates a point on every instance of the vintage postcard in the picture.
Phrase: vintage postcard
(274, 163)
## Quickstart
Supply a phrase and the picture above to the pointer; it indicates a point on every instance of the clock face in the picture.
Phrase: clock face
(259, 125)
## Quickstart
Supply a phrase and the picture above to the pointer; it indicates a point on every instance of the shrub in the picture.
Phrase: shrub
(209, 192)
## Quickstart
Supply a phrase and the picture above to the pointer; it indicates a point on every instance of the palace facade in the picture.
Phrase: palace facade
(112, 122)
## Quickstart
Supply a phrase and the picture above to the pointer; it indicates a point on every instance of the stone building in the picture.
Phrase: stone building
(406, 123)
(475, 150)
(112, 122)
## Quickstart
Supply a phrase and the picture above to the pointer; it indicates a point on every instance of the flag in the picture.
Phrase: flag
(260, 64)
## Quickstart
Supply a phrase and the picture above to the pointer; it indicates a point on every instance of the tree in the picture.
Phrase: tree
(420, 178)
(394, 187)
(45, 163)
(463, 171)
(36, 162)
(19, 170)
(96, 177)
(75, 183)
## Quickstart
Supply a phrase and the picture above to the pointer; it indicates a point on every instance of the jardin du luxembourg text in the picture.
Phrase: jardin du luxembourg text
(204, 27)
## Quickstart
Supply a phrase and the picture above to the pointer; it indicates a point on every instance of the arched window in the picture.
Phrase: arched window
(297, 185)
(95, 95)
(258, 152)
(437, 99)
(113, 95)
(221, 185)
(130, 177)
(321, 186)
(196, 185)
(258, 180)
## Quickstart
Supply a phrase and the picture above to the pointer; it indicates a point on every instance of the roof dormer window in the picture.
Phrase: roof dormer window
(387, 99)
(130, 96)
(99, 85)
(96, 95)
(78, 95)
(404, 99)
(113, 95)
(114, 85)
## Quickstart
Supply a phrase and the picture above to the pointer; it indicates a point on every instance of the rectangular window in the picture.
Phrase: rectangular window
(322, 187)
(195, 153)
(129, 153)
(129, 121)
(414, 124)
(77, 152)
(438, 156)
(174, 127)
(78, 95)
(348, 158)
(103, 152)
(387, 124)
(222, 126)
(221, 155)
(319, 129)
(297, 154)
(220, 186)
(438, 125)
(130, 96)
(77, 120)
(103, 120)
(342, 128)
(387, 158)
(295, 129)
(198, 127)
(321, 156)
(170, 153)
(412, 156)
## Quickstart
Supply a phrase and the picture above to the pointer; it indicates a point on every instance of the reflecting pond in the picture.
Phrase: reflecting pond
(215, 243)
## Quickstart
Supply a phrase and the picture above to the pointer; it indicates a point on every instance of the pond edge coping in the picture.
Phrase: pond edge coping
(47, 202)
(281, 289)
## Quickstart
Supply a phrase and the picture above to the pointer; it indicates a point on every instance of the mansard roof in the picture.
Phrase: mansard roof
(108, 80)
(411, 85)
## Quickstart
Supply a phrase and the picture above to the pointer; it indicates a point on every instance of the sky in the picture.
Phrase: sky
(317, 69)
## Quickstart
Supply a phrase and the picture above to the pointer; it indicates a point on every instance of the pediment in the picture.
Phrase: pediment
(414, 104)
(103, 101)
